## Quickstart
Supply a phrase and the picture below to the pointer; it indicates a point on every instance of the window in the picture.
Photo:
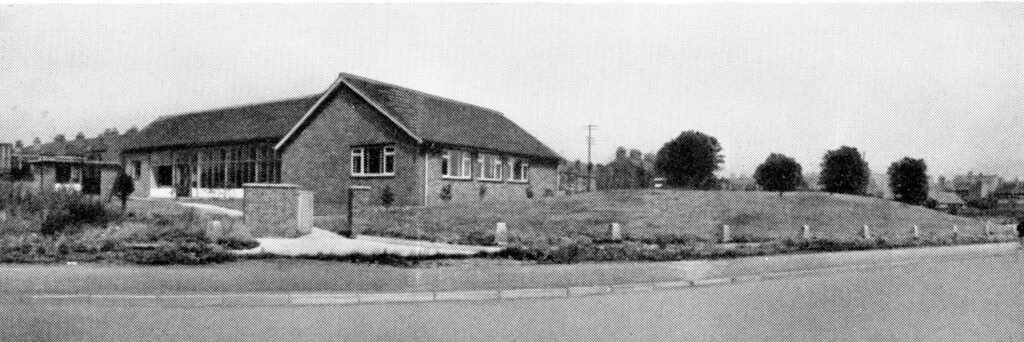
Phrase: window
(164, 176)
(373, 161)
(137, 168)
(63, 174)
(456, 164)
(490, 166)
(520, 170)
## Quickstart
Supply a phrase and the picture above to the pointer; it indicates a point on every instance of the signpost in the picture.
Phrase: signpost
(351, 196)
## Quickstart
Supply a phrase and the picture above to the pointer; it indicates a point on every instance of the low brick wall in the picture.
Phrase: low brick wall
(277, 210)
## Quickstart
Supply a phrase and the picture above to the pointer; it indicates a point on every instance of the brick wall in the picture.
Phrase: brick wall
(277, 210)
(542, 175)
(319, 157)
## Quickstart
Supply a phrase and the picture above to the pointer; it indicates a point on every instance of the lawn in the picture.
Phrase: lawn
(659, 214)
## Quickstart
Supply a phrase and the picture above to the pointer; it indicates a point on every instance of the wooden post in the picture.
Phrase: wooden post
(615, 232)
(867, 232)
(726, 234)
(988, 227)
(501, 234)
(806, 232)
(917, 232)
(956, 231)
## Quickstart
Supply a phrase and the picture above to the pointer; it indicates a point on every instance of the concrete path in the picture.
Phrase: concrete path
(320, 241)
(213, 209)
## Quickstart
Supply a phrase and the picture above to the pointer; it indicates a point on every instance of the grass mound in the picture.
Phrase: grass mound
(659, 217)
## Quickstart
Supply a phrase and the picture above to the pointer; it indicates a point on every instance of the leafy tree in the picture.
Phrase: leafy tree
(844, 171)
(779, 173)
(124, 186)
(908, 179)
(690, 161)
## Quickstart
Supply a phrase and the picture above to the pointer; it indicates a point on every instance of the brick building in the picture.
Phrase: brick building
(421, 148)
(87, 165)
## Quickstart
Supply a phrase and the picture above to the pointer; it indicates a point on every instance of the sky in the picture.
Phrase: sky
(941, 82)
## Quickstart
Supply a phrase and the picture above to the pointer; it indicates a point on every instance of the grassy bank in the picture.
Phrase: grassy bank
(659, 216)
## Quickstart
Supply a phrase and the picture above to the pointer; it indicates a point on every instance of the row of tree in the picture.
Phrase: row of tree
(691, 159)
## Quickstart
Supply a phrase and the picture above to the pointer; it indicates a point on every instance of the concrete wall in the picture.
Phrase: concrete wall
(277, 210)
(319, 158)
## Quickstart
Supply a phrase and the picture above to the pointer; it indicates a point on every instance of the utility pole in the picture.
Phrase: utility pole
(590, 165)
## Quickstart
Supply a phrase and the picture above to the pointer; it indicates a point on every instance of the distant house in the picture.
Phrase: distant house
(629, 170)
(87, 165)
(422, 148)
(574, 179)
(971, 186)
(947, 201)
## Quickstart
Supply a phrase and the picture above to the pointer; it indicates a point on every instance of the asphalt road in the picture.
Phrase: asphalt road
(978, 299)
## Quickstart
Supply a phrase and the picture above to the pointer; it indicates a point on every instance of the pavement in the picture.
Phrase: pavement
(487, 282)
(213, 209)
(320, 241)
(962, 299)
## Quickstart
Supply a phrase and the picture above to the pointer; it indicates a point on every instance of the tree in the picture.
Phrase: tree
(124, 186)
(844, 171)
(690, 161)
(779, 173)
(908, 179)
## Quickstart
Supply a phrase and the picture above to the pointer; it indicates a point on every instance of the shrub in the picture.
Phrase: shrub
(184, 253)
(483, 191)
(529, 192)
(446, 193)
(779, 173)
(549, 193)
(237, 242)
(69, 217)
(387, 197)
(844, 171)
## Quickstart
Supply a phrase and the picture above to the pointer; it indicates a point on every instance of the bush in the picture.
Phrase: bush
(185, 253)
(237, 242)
(529, 192)
(69, 217)
(387, 197)
(446, 193)
(690, 161)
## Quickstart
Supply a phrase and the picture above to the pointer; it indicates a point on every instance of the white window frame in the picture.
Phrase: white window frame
(464, 160)
(387, 161)
(496, 167)
(524, 169)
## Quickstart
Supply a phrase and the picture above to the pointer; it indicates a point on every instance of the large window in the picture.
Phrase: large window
(373, 161)
(164, 176)
(63, 173)
(456, 164)
(490, 167)
(221, 167)
(520, 170)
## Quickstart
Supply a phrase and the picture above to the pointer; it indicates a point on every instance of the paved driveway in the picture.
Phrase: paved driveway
(972, 300)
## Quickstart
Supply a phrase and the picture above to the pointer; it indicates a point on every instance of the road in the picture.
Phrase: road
(972, 300)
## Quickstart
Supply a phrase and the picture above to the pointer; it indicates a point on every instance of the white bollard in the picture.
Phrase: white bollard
(501, 234)
(726, 234)
(956, 231)
(988, 227)
(214, 230)
(615, 232)
(867, 232)
(917, 232)
(806, 232)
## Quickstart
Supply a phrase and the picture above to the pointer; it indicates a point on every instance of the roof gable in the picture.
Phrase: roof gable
(444, 121)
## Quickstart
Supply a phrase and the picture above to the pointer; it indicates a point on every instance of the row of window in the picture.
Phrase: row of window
(217, 168)
(459, 165)
(380, 161)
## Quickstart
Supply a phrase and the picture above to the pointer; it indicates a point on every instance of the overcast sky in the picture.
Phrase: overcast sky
(939, 82)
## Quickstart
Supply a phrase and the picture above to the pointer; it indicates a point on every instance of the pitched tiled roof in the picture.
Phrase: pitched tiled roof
(270, 120)
(449, 122)
(428, 117)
